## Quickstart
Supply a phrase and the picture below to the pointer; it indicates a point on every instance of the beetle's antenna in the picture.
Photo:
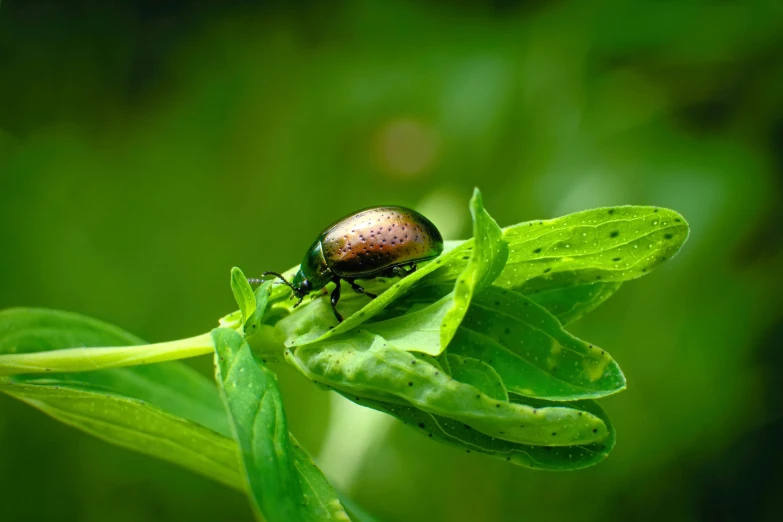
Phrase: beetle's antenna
(276, 275)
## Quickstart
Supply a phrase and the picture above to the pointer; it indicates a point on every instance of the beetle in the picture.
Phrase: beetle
(385, 241)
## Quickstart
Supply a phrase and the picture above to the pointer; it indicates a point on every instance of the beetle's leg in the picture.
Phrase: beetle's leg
(359, 290)
(336, 297)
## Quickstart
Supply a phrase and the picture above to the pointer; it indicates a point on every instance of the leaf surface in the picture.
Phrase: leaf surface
(255, 405)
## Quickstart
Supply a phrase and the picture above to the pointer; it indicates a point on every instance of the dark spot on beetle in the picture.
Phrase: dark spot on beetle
(537, 251)
(508, 458)
(580, 413)
(614, 233)
(467, 451)
(421, 425)
(497, 303)
(616, 259)
(668, 236)
(547, 270)
(429, 434)
(508, 331)
(611, 211)
(410, 383)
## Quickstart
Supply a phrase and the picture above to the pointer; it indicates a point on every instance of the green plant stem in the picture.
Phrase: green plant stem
(90, 359)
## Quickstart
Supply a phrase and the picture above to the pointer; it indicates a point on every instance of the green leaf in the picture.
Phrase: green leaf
(133, 424)
(532, 352)
(605, 244)
(570, 303)
(487, 259)
(319, 496)
(184, 392)
(461, 436)
(602, 245)
(132, 407)
(479, 374)
(167, 410)
(255, 406)
(261, 296)
(366, 365)
(243, 294)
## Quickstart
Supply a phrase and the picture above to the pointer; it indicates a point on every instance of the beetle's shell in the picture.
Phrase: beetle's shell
(367, 243)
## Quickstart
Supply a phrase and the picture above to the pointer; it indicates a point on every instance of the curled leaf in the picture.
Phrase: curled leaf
(366, 365)
(453, 433)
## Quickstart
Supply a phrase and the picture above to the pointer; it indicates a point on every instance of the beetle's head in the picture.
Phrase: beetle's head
(301, 285)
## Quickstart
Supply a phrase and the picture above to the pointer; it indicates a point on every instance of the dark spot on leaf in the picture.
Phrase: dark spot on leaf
(467, 427)
(508, 331)
(614, 233)
(497, 405)
(554, 433)
(595, 430)
(656, 210)
(677, 220)
(547, 270)
(611, 211)
(667, 236)
(478, 396)
(410, 383)
(616, 259)
(421, 425)
(429, 434)
(537, 251)
(497, 303)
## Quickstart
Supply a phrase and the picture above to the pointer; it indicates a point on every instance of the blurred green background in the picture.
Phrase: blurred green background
(147, 147)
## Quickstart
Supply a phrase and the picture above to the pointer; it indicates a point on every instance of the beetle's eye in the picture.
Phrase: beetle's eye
(305, 286)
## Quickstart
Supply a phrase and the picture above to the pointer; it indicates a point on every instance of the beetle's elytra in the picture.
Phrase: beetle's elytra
(374, 242)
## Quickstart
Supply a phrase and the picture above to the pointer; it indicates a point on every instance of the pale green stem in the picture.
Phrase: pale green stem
(90, 359)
